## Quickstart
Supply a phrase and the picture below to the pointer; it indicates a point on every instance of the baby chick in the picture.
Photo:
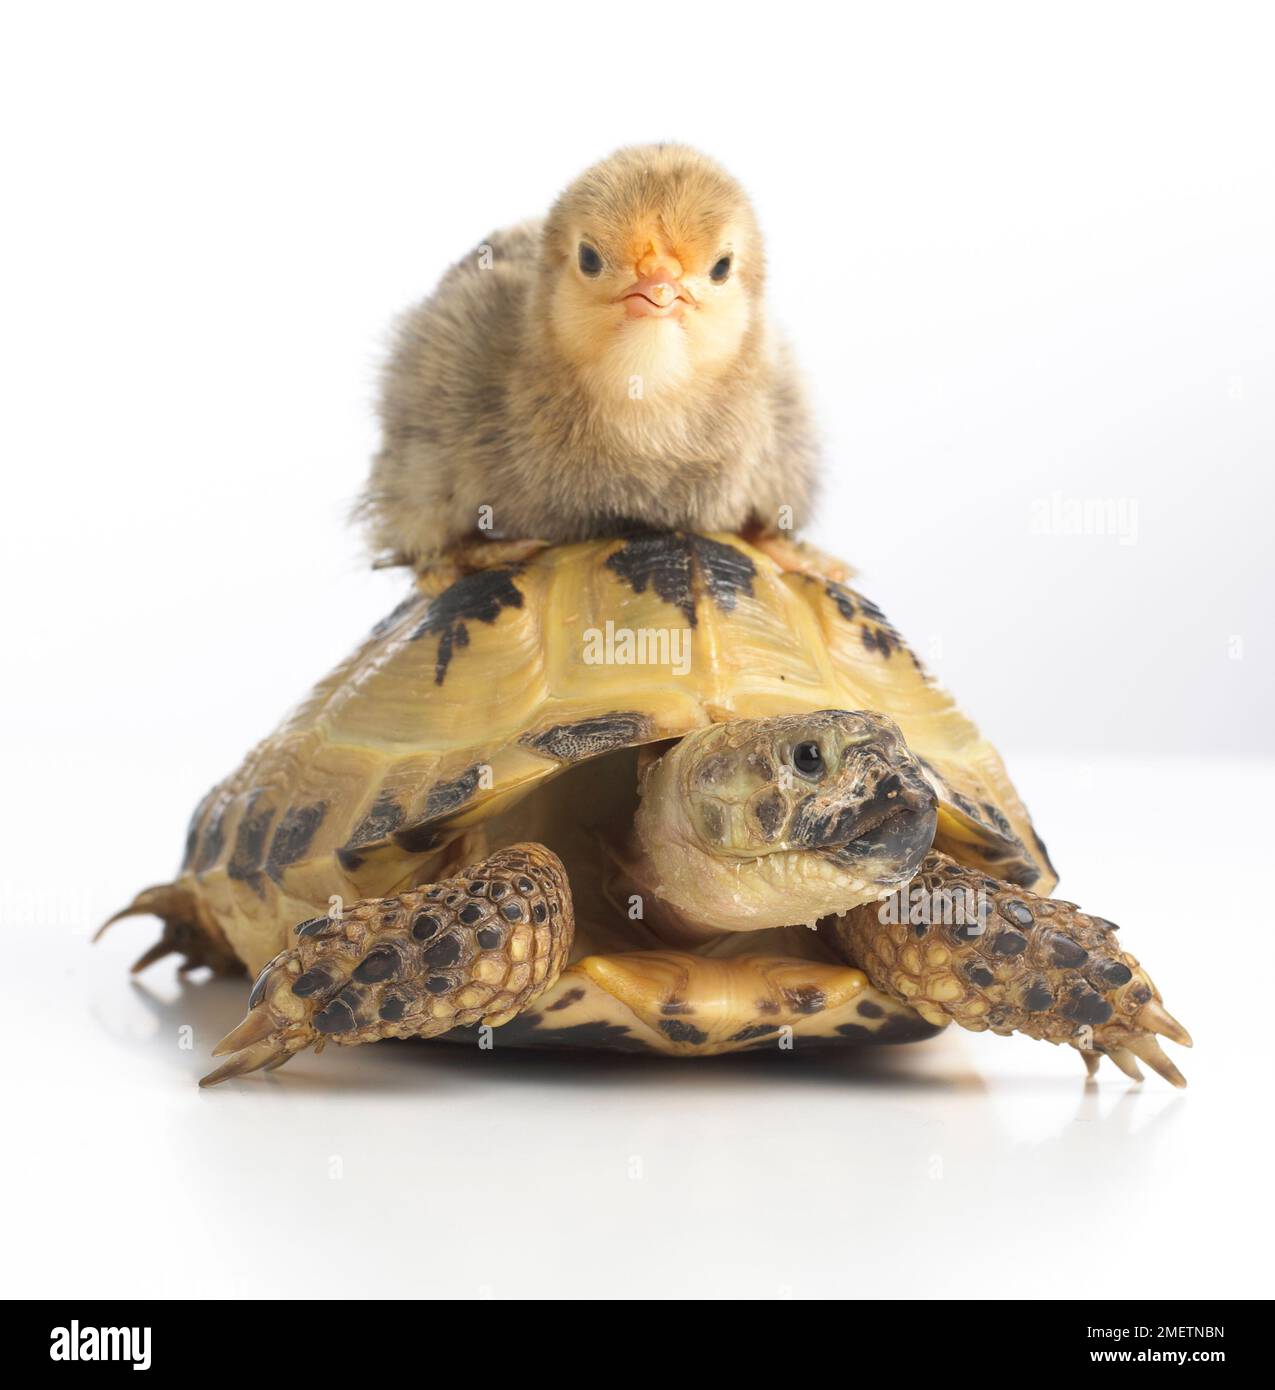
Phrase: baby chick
(609, 367)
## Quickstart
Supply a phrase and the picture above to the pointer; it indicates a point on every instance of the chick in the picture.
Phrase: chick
(609, 367)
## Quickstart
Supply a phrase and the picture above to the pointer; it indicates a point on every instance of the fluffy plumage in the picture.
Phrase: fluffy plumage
(594, 371)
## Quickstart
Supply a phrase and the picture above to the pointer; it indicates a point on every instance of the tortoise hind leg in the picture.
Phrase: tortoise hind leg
(474, 948)
(198, 942)
(958, 945)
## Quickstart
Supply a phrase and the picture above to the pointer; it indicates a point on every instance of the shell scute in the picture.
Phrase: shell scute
(679, 567)
(480, 597)
(587, 738)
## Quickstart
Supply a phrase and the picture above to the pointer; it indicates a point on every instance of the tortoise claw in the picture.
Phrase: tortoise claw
(163, 947)
(1123, 1058)
(1124, 1055)
(253, 1029)
(260, 1042)
(264, 1055)
(1145, 1046)
(1155, 1018)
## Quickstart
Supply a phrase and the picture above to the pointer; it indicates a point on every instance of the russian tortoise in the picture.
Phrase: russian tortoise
(661, 793)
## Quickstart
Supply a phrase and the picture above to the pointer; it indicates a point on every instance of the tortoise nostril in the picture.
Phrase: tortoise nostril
(890, 785)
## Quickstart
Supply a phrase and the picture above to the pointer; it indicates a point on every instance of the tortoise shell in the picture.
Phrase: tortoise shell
(463, 701)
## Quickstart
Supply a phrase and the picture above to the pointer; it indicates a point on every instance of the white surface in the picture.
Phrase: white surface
(961, 1167)
(1023, 251)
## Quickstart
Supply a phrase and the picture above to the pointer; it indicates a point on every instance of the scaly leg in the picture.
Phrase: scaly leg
(475, 948)
(962, 946)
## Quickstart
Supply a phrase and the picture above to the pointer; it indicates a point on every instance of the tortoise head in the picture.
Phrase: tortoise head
(771, 822)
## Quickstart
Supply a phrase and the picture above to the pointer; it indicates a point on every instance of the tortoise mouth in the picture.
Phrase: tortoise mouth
(890, 846)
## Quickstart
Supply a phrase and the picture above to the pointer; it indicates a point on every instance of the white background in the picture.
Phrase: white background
(1025, 255)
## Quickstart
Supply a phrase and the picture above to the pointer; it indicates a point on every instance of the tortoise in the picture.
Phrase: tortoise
(663, 792)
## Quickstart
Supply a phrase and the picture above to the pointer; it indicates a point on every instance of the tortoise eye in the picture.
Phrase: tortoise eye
(720, 271)
(590, 261)
(808, 760)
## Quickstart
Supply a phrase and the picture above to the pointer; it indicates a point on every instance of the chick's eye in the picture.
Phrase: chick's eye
(590, 261)
(807, 759)
(720, 271)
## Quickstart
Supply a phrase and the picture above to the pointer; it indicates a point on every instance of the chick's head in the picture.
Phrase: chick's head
(652, 271)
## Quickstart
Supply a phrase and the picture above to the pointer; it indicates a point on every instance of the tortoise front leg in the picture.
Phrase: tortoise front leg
(474, 948)
(959, 945)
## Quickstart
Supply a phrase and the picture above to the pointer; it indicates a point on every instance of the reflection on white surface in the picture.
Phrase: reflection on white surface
(947, 1168)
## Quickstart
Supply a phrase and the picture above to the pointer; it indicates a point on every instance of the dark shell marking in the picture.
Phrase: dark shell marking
(1043, 855)
(668, 563)
(293, 837)
(193, 828)
(586, 738)
(250, 843)
(212, 840)
(442, 800)
(997, 845)
(661, 562)
(898, 1028)
(882, 640)
(679, 1031)
(416, 839)
(396, 616)
(876, 632)
(480, 597)
(843, 598)
(754, 1030)
(727, 573)
(806, 999)
(612, 1036)
(446, 797)
(381, 821)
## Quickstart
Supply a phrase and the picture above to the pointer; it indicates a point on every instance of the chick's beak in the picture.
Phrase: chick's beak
(655, 295)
